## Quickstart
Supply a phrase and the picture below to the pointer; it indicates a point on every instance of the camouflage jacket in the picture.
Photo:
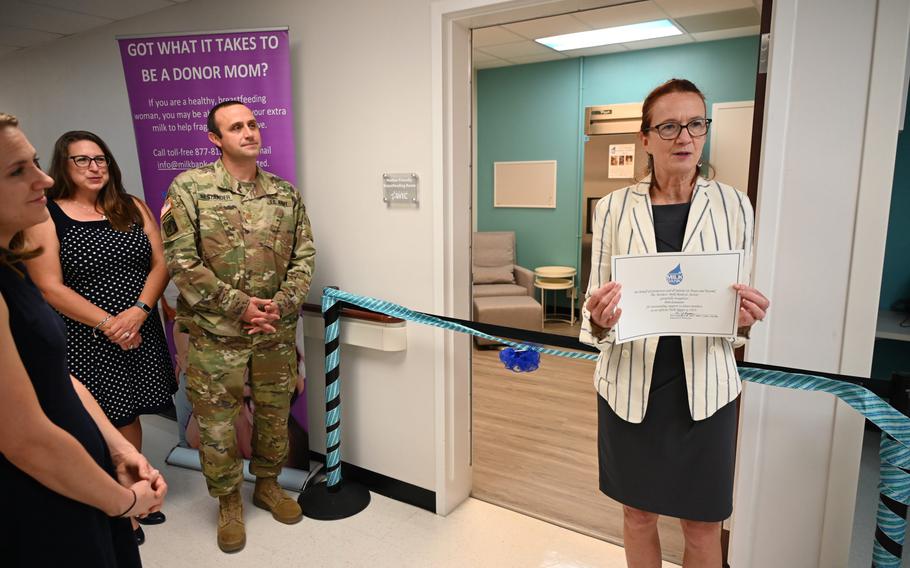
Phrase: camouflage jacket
(226, 240)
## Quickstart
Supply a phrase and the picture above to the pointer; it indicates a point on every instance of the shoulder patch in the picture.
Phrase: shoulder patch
(168, 224)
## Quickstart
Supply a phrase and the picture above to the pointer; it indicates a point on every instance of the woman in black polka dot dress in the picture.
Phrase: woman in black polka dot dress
(103, 269)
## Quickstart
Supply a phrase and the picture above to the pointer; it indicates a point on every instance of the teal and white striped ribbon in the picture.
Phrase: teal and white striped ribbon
(895, 447)
(332, 392)
(404, 313)
(860, 399)
(894, 481)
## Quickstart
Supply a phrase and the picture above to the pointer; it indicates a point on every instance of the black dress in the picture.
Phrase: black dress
(38, 527)
(109, 268)
(669, 464)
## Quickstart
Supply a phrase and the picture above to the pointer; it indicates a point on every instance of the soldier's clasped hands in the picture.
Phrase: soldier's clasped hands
(259, 315)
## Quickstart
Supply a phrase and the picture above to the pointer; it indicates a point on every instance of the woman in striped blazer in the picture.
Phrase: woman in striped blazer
(666, 428)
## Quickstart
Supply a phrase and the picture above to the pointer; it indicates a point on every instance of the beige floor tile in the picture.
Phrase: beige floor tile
(388, 534)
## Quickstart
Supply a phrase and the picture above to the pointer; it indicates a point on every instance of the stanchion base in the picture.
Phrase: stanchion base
(320, 503)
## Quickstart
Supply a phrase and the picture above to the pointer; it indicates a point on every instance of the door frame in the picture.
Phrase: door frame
(450, 24)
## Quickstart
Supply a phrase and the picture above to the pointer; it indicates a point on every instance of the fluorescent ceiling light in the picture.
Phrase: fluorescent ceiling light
(608, 36)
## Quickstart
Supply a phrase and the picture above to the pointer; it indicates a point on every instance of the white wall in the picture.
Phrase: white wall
(828, 156)
(804, 265)
(362, 101)
(824, 193)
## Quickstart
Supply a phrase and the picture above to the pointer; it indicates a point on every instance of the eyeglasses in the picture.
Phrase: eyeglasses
(85, 161)
(670, 130)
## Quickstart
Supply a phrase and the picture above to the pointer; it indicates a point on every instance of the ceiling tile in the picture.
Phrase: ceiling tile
(519, 49)
(4, 49)
(727, 34)
(497, 35)
(492, 64)
(19, 14)
(537, 58)
(546, 27)
(621, 15)
(536, 10)
(21, 37)
(681, 9)
(479, 56)
(659, 42)
(600, 50)
(720, 20)
(113, 9)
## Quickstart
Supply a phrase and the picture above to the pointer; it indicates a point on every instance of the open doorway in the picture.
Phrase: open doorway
(534, 437)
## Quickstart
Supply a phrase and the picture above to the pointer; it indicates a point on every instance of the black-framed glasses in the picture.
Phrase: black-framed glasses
(85, 161)
(697, 127)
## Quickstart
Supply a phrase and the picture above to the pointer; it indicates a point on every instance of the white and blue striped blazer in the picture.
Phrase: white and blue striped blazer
(720, 218)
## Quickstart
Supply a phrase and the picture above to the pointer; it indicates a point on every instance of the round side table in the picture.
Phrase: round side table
(555, 278)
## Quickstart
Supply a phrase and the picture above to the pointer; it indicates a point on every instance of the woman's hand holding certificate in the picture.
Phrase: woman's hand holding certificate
(603, 306)
(753, 306)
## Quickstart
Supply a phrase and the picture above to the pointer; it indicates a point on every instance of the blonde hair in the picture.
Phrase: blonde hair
(16, 252)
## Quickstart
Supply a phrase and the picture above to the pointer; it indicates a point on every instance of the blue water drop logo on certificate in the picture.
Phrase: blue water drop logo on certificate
(675, 276)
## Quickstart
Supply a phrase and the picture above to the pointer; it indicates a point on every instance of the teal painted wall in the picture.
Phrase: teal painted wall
(723, 70)
(896, 271)
(531, 112)
(536, 112)
(889, 355)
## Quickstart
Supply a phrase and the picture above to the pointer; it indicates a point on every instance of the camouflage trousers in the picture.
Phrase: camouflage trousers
(217, 367)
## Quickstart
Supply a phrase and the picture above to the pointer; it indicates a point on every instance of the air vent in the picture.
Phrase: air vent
(613, 119)
(720, 20)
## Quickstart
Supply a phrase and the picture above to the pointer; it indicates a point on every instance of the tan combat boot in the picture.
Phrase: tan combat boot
(231, 533)
(270, 496)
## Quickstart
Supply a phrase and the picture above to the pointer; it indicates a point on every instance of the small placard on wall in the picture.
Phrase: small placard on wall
(400, 188)
(524, 184)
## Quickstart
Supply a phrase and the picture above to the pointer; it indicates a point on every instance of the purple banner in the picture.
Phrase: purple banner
(173, 82)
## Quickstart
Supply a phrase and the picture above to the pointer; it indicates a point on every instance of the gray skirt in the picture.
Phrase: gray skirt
(669, 464)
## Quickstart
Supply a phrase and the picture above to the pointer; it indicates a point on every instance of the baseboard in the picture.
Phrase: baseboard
(385, 485)
(376, 482)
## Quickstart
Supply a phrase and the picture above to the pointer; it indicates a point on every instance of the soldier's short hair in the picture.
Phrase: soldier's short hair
(213, 128)
(8, 120)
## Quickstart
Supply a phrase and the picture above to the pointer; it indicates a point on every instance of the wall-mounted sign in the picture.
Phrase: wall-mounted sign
(400, 188)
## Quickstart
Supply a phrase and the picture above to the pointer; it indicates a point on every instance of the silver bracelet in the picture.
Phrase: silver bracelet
(97, 327)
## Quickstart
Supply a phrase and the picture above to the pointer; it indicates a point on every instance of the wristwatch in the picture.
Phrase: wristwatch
(143, 306)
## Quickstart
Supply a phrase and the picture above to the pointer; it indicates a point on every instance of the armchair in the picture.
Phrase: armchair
(503, 291)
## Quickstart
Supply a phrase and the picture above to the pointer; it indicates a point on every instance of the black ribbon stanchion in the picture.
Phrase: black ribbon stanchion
(333, 499)
(891, 520)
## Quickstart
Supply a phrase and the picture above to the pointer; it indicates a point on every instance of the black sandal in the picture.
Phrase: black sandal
(155, 518)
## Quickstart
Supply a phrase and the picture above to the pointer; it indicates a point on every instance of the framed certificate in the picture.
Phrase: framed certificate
(677, 294)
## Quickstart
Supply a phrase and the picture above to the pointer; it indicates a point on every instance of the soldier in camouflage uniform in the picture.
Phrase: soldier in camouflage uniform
(239, 248)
